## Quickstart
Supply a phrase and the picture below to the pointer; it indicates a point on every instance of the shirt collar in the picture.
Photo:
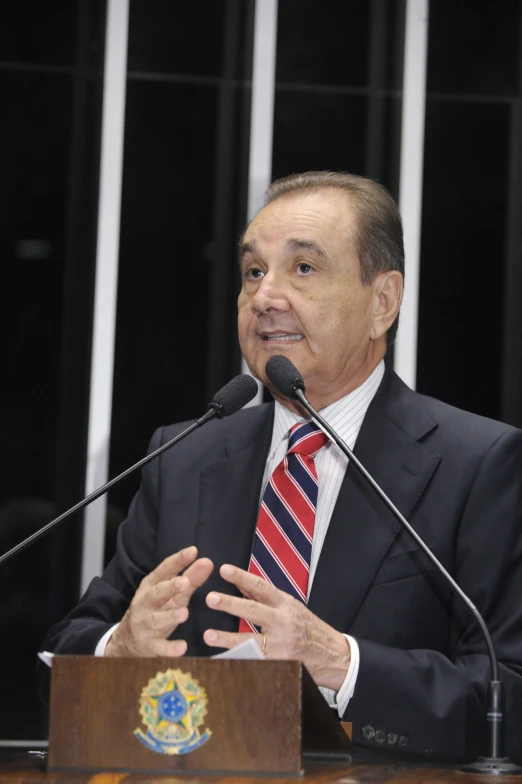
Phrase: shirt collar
(345, 415)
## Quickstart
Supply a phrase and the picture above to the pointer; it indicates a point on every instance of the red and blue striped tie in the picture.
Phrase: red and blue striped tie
(285, 525)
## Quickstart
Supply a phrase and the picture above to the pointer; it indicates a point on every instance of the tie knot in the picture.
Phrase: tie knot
(306, 439)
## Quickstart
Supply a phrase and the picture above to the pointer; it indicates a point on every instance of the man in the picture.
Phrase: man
(238, 506)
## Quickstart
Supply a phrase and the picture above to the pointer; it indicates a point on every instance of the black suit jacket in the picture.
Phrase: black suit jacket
(456, 476)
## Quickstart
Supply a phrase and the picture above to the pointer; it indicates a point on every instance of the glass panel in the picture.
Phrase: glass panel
(475, 53)
(473, 47)
(35, 174)
(331, 121)
(49, 171)
(183, 209)
(463, 246)
(323, 45)
(321, 130)
(345, 113)
(38, 33)
(176, 38)
(334, 43)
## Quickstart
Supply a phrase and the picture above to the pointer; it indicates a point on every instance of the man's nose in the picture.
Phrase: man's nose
(270, 294)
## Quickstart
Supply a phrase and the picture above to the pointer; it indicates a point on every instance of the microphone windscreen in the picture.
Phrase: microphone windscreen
(234, 395)
(284, 375)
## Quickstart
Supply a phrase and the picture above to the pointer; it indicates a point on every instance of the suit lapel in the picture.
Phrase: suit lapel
(228, 507)
(362, 529)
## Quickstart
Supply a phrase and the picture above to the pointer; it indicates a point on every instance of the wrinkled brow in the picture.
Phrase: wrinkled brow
(244, 248)
(292, 245)
(248, 247)
(311, 245)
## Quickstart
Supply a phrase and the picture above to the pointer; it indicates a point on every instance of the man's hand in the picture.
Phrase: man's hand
(292, 631)
(159, 606)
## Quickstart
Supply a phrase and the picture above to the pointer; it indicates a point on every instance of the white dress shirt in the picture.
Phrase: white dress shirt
(346, 417)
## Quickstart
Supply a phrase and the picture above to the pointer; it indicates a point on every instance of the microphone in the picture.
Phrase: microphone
(230, 398)
(287, 379)
(233, 396)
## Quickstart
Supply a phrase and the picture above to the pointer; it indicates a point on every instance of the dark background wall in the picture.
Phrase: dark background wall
(337, 106)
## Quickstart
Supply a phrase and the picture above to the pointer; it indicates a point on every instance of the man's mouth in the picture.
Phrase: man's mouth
(278, 336)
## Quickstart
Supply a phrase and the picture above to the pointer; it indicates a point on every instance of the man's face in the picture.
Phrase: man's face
(302, 295)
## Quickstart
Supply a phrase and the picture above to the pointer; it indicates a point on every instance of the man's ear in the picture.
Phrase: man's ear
(388, 290)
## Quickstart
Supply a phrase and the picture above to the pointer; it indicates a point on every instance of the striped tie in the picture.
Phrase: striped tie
(285, 526)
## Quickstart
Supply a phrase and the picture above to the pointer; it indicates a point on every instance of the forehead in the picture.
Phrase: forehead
(326, 215)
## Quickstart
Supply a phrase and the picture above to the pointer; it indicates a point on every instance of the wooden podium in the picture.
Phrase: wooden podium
(188, 715)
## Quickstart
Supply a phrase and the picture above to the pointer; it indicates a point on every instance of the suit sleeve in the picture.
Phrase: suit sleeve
(107, 598)
(425, 702)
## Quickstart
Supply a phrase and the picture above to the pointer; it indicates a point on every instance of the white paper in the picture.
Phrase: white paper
(46, 657)
(245, 650)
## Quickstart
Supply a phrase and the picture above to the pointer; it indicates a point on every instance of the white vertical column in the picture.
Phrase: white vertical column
(411, 172)
(262, 111)
(262, 114)
(106, 283)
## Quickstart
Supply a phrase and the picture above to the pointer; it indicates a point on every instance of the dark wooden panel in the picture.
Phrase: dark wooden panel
(254, 711)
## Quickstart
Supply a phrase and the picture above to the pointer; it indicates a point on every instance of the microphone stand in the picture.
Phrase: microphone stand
(210, 414)
(494, 763)
(230, 398)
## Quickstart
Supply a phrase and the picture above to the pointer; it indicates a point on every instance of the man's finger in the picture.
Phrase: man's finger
(219, 639)
(199, 571)
(253, 586)
(159, 594)
(177, 591)
(255, 612)
(197, 574)
(173, 565)
(163, 622)
(167, 647)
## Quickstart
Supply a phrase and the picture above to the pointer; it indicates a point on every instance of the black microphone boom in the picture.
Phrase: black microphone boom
(230, 398)
(287, 379)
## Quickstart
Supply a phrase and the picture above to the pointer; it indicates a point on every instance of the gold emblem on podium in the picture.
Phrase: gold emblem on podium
(173, 706)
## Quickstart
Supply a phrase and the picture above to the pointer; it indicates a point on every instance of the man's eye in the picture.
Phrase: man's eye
(304, 269)
(253, 274)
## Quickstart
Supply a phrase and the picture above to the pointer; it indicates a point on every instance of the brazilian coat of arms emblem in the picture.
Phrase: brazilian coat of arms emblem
(173, 706)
